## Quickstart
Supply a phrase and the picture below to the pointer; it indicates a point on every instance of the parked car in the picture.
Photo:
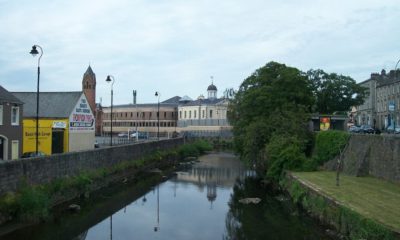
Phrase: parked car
(392, 129)
(33, 154)
(367, 129)
(123, 135)
(354, 129)
(141, 135)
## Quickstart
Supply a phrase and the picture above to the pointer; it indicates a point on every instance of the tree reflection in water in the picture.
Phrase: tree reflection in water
(269, 219)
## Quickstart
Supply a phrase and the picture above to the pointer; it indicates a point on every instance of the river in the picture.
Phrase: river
(200, 202)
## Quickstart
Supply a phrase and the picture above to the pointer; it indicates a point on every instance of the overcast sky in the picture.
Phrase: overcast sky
(175, 46)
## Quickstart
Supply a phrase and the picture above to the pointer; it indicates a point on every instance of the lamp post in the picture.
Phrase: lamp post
(157, 94)
(110, 79)
(34, 52)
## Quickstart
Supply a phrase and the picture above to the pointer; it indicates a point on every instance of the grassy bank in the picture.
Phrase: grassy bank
(360, 206)
(33, 202)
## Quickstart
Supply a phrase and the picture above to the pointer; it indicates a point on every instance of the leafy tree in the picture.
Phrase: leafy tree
(275, 99)
(335, 93)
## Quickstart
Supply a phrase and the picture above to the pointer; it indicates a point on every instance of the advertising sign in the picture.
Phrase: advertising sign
(81, 118)
(59, 124)
(324, 123)
(391, 106)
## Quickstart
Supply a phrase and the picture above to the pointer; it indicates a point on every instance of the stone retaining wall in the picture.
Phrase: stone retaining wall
(44, 169)
(375, 155)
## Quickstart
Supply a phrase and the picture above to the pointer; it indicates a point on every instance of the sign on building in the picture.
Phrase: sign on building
(81, 118)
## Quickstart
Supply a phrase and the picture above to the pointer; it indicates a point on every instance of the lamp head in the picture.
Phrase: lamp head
(108, 79)
(34, 51)
(156, 94)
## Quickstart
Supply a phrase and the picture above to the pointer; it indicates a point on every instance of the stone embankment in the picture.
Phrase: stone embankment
(46, 169)
(373, 155)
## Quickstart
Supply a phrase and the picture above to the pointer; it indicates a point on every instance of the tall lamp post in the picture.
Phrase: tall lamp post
(110, 79)
(157, 94)
(34, 52)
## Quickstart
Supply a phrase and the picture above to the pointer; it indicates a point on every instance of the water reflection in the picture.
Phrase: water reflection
(198, 203)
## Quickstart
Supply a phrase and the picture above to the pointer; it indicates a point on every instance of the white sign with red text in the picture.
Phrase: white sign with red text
(81, 118)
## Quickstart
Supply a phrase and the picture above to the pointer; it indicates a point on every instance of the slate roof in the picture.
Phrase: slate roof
(51, 104)
(89, 71)
(206, 101)
(7, 97)
(143, 105)
(173, 100)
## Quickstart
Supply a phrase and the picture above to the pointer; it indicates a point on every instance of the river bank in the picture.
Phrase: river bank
(348, 209)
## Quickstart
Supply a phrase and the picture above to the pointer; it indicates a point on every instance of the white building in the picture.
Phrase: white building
(204, 116)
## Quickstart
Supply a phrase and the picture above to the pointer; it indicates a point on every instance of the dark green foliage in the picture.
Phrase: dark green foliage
(194, 149)
(203, 146)
(334, 93)
(33, 203)
(275, 99)
(284, 153)
(328, 145)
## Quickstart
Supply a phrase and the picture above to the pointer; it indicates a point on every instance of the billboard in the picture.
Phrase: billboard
(324, 123)
(81, 118)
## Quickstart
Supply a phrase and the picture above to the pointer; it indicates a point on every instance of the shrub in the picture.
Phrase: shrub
(33, 203)
(284, 153)
(328, 145)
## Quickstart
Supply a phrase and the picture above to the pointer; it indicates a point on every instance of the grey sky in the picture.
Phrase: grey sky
(175, 46)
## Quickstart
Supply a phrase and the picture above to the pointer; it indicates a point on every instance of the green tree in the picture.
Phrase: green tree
(275, 99)
(335, 93)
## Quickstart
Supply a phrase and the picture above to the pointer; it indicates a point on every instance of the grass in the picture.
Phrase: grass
(371, 197)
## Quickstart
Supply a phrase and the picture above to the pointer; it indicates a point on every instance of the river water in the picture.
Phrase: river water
(201, 202)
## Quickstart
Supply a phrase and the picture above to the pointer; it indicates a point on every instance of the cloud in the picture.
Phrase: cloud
(173, 47)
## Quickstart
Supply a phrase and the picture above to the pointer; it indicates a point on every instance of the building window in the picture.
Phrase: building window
(165, 114)
(14, 115)
(1, 114)
(185, 114)
(180, 114)
(190, 114)
(211, 112)
(194, 113)
(203, 114)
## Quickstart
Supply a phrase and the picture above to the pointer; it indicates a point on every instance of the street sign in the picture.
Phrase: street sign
(391, 106)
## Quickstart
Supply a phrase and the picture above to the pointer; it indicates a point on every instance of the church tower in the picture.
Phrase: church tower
(89, 87)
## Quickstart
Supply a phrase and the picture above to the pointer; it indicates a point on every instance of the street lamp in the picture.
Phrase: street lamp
(110, 79)
(157, 94)
(34, 52)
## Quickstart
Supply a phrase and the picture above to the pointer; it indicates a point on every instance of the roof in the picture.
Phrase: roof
(51, 104)
(185, 99)
(6, 96)
(142, 105)
(212, 87)
(173, 100)
(89, 71)
(207, 101)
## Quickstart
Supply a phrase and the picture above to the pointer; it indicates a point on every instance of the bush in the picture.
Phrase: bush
(284, 153)
(328, 145)
(202, 146)
(33, 203)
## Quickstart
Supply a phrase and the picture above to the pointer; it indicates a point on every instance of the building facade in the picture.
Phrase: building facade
(11, 110)
(204, 116)
(381, 107)
(142, 118)
(66, 122)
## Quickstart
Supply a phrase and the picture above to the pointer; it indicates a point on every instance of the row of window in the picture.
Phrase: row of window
(142, 115)
(188, 114)
(139, 124)
(14, 115)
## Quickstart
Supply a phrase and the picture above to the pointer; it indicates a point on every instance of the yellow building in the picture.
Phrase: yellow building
(66, 122)
(53, 135)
